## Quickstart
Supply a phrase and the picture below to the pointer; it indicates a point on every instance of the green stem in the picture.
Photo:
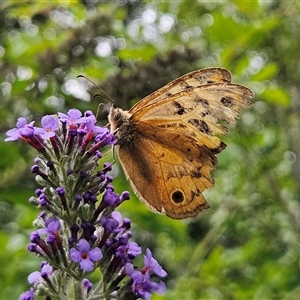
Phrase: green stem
(78, 290)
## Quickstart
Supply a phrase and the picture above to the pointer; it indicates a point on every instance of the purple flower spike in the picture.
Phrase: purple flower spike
(128, 251)
(109, 223)
(90, 121)
(23, 129)
(126, 224)
(125, 196)
(73, 117)
(52, 226)
(134, 250)
(50, 125)
(158, 287)
(29, 295)
(87, 284)
(142, 285)
(14, 134)
(110, 198)
(152, 264)
(84, 256)
(76, 233)
(37, 277)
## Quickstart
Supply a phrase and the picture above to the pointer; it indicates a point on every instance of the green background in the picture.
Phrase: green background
(247, 245)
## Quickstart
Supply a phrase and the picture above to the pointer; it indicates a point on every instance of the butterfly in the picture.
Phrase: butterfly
(167, 141)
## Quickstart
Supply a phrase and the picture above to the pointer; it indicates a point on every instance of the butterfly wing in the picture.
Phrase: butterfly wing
(168, 179)
(180, 84)
(209, 103)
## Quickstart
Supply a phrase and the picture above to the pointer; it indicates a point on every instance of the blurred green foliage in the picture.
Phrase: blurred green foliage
(247, 245)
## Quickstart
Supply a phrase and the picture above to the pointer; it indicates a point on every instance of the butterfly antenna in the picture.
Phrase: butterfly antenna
(105, 95)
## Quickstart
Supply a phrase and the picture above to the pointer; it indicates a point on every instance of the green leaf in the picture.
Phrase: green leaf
(266, 73)
(276, 95)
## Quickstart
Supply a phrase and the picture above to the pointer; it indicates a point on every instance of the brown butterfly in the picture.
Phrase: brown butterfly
(166, 142)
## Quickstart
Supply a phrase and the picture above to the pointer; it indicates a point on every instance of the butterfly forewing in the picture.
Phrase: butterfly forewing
(180, 84)
(217, 101)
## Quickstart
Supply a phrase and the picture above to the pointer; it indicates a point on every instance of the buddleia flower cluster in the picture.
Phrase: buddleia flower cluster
(78, 231)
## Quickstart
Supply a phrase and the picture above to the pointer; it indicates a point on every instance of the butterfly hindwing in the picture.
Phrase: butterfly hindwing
(165, 179)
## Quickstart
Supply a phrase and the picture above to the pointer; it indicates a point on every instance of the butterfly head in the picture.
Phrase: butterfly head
(121, 125)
